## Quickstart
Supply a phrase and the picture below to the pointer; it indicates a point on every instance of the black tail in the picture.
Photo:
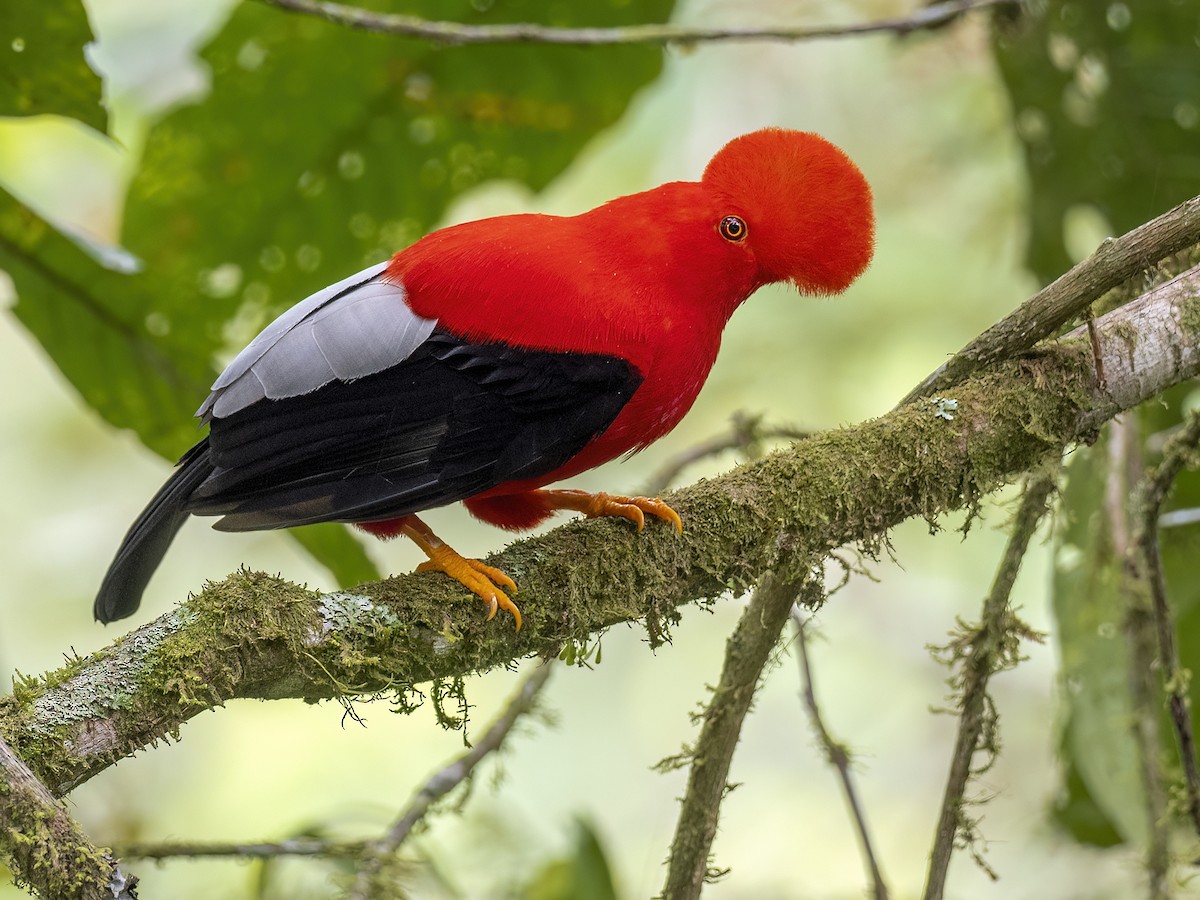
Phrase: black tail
(149, 537)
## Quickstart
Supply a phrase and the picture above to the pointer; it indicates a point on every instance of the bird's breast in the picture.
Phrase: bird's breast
(673, 375)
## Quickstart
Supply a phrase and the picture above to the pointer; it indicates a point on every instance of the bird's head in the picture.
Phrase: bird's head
(798, 205)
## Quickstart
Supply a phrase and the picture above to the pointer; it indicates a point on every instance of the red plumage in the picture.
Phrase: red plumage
(503, 355)
(647, 277)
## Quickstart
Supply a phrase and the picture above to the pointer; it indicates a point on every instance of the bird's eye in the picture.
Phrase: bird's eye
(733, 228)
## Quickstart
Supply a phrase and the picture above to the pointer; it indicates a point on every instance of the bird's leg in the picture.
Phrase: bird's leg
(476, 577)
(595, 505)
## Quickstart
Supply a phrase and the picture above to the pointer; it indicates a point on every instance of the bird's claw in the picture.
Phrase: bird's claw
(477, 577)
(594, 505)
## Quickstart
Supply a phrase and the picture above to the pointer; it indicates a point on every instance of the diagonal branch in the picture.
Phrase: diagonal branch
(746, 433)
(370, 857)
(256, 636)
(982, 651)
(445, 780)
(838, 756)
(746, 654)
(934, 15)
(1145, 562)
(1070, 295)
(46, 849)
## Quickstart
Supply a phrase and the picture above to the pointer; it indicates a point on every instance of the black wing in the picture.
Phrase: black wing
(453, 419)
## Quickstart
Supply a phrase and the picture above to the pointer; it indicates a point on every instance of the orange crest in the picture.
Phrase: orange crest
(806, 205)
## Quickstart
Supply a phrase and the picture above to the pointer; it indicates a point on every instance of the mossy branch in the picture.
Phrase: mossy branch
(50, 853)
(976, 653)
(746, 654)
(1069, 296)
(1144, 567)
(254, 636)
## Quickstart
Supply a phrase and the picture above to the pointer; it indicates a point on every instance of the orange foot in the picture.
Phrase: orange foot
(476, 577)
(595, 505)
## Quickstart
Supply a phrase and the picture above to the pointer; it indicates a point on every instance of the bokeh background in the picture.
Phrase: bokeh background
(928, 119)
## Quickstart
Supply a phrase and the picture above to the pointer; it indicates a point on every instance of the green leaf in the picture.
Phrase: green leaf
(1097, 738)
(78, 310)
(1078, 813)
(1103, 800)
(42, 67)
(323, 150)
(320, 150)
(583, 875)
(1106, 99)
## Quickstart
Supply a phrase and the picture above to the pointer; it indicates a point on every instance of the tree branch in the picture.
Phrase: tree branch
(1146, 565)
(252, 635)
(746, 653)
(370, 856)
(746, 434)
(935, 15)
(442, 782)
(45, 848)
(838, 756)
(1069, 296)
(981, 651)
(298, 846)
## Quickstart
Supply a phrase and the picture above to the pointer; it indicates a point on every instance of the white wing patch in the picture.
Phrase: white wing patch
(357, 327)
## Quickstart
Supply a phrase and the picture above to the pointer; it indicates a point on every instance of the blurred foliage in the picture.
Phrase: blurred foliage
(1104, 797)
(319, 150)
(583, 875)
(1103, 803)
(42, 67)
(1106, 100)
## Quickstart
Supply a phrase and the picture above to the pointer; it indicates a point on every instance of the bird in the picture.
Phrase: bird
(493, 358)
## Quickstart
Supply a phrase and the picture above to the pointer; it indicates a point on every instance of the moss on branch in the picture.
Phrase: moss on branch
(50, 855)
(254, 636)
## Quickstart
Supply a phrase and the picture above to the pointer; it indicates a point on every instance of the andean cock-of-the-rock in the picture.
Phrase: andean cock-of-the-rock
(493, 358)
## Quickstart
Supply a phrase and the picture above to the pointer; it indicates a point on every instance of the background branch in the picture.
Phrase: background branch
(441, 783)
(746, 653)
(838, 756)
(1146, 562)
(298, 846)
(256, 636)
(933, 16)
(1039, 317)
(981, 651)
(371, 856)
(746, 434)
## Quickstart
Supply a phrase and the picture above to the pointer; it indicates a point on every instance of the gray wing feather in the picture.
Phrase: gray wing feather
(357, 327)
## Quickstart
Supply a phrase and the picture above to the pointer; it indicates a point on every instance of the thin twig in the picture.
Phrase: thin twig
(746, 653)
(1097, 354)
(1151, 494)
(447, 779)
(984, 650)
(746, 433)
(1039, 317)
(933, 16)
(371, 853)
(300, 846)
(837, 754)
(1124, 462)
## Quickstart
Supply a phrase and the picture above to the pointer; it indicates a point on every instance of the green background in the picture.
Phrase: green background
(256, 156)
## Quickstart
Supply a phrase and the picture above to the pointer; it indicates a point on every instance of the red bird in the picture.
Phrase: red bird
(495, 357)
